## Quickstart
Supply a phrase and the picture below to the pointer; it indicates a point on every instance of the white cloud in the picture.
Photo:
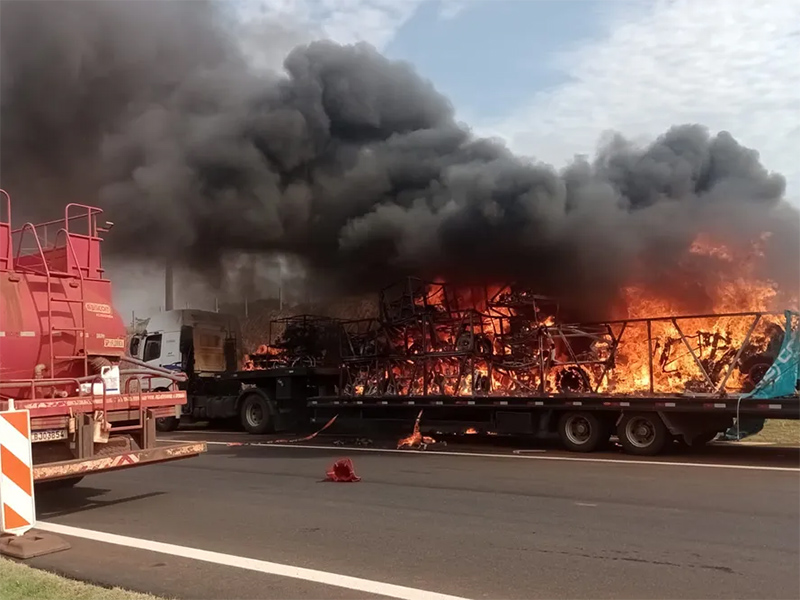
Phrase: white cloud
(450, 9)
(344, 21)
(730, 65)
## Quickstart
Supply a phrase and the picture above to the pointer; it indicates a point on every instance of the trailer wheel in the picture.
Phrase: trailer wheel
(583, 431)
(643, 434)
(255, 413)
(166, 424)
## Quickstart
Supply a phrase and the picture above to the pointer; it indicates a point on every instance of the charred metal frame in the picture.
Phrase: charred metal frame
(428, 343)
(300, 340)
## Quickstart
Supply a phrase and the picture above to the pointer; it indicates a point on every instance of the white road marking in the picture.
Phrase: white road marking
(251, 564)
(618, 461)
(585, 504)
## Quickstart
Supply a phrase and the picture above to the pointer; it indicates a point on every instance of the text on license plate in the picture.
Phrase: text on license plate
(49, 435)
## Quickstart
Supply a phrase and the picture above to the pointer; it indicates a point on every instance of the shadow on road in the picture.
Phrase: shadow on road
(58, 503)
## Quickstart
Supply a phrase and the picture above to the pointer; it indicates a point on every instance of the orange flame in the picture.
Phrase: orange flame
(416, 440)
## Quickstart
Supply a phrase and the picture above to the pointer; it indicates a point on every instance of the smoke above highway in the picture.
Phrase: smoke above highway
(348, 161)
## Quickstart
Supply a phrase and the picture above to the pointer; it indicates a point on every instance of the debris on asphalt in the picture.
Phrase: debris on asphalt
(287, 441)
(343, 471)
(358, 442)
(416, 441)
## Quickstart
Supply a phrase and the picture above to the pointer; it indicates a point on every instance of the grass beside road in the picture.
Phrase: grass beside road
(20, 582)
(784, 432)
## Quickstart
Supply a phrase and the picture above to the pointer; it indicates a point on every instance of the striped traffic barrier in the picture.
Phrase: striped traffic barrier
(17, 505)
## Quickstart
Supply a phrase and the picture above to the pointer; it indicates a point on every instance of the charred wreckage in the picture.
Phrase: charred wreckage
(502, 359)
(432, 339)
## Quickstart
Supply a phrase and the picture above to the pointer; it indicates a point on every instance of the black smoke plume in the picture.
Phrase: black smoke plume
(349, 161)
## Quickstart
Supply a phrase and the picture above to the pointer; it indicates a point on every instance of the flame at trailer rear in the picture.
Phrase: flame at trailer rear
(680, 349)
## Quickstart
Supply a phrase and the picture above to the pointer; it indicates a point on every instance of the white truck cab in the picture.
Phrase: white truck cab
(197, 342)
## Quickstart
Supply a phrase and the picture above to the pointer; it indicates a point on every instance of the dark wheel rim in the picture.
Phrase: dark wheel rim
(254, 415)
(640, 432)
(572, 380)
(578, 430)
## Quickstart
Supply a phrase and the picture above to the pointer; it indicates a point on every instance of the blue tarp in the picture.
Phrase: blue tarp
(781, 378)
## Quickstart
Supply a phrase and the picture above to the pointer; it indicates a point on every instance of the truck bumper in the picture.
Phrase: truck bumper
(115, 462)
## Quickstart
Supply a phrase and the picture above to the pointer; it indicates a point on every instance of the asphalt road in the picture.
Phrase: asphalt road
(473, 526)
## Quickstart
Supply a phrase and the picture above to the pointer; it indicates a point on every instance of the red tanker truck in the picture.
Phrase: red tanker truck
(62, 354)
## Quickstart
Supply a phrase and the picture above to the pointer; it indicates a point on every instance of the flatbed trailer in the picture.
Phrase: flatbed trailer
(263, 401)
(296, 398)
(290, 399)
(643, 425)
(511, 368)
(647, 381)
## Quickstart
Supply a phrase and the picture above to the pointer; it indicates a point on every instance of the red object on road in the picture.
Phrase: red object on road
(342, 470)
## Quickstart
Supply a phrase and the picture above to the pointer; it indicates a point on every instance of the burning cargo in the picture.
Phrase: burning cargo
(433, 339)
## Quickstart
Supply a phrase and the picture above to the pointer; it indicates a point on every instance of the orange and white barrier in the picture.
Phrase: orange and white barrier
(17, 507)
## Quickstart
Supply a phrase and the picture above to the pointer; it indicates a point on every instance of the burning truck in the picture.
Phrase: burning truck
(504, 359)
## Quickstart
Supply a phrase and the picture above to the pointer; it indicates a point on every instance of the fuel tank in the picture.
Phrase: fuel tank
(55, 307)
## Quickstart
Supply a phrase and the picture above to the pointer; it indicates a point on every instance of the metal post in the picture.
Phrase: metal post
(745, 343)
(169, 296)
(692, 352)
(650, 354)
(280, 285)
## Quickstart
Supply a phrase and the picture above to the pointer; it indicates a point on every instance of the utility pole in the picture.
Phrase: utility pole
(280, 285)
(169, 294)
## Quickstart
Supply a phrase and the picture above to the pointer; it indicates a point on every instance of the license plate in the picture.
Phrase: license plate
(49, 435)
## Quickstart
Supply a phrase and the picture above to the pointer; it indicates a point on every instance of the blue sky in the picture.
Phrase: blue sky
(486, 72)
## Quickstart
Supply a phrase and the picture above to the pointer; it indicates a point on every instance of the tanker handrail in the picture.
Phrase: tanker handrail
(91, 211)
(7, 197)
(46, 268)
(68, 244)
(6, 260)
(21, 232)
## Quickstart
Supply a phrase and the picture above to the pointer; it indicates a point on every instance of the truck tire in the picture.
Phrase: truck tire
(643, 434)
(256, 414)
(166, 424)
(583, 431)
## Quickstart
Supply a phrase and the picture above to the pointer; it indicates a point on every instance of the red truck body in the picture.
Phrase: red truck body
(58, 332)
